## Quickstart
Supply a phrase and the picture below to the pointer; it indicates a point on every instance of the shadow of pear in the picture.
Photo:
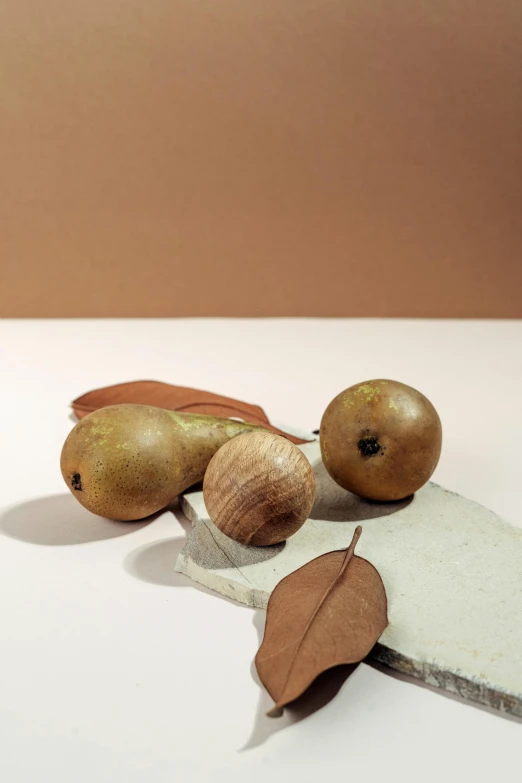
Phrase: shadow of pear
(335, 504)
(59, 520)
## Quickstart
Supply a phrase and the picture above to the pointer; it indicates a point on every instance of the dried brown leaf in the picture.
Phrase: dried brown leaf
(329, 612)
(178, 398)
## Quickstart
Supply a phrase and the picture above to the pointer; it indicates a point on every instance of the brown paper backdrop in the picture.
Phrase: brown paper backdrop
(284, 157)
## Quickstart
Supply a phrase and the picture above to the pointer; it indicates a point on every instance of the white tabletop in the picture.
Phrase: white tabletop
(115, 668)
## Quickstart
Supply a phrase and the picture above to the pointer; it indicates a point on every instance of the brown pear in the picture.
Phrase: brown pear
(128, 461)
(381, 439)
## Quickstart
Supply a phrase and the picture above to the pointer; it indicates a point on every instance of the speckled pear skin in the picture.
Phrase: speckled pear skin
(381, 439)
(126, 462)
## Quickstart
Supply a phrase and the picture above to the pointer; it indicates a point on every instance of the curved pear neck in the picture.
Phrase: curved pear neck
(198, 421)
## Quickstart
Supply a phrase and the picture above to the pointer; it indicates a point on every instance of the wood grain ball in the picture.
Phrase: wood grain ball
(259, 489)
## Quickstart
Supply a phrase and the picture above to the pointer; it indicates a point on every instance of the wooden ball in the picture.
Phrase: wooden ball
(259, 488)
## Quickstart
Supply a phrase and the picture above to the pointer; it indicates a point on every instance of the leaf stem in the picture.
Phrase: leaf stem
(351, 549)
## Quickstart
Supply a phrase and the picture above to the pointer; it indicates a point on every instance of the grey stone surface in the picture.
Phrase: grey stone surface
(452, 571)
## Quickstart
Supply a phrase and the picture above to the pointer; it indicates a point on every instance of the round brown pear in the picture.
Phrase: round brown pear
(381, 439)
(128, 461)
(259, 489)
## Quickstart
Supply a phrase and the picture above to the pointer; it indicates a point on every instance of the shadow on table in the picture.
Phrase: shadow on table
(59, 520)
(323, 690)
(408, 678)
(334, 504)
(317, 696)
(155, 563)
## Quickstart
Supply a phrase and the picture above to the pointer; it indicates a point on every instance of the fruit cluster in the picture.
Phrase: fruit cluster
(380, 439)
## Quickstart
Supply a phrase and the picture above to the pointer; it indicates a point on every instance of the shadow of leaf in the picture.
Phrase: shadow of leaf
(59, 520)
(323, 689)
(335, 504)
